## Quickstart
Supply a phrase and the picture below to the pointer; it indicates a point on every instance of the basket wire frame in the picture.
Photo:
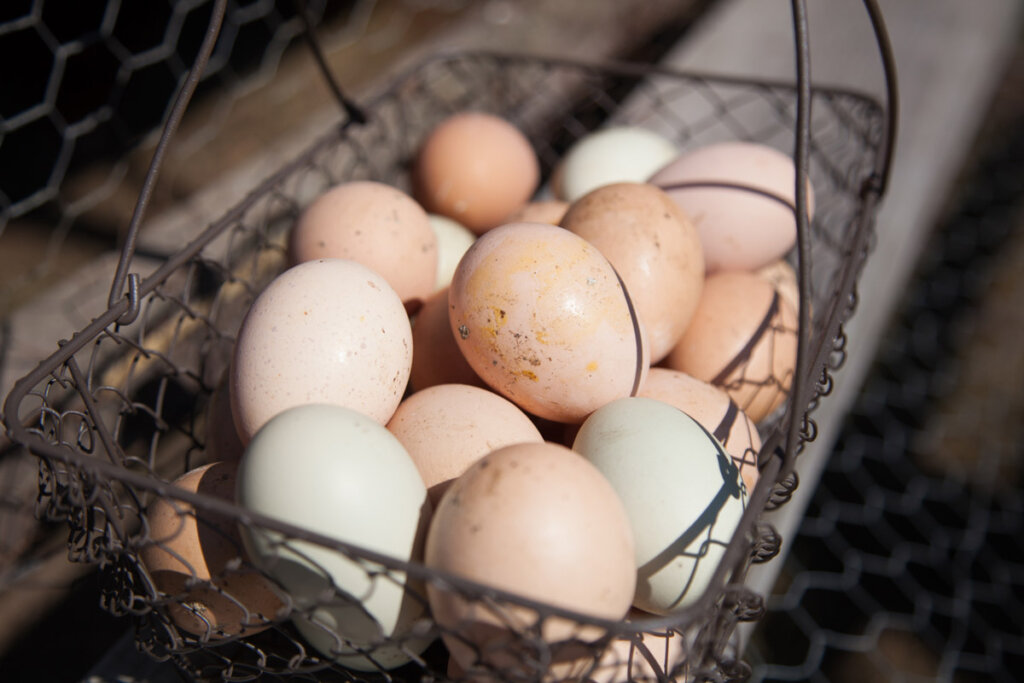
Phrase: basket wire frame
(120, 411)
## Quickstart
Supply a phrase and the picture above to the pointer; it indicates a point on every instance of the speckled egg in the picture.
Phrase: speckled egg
(540, 314)
(654, 248)
(326, 331)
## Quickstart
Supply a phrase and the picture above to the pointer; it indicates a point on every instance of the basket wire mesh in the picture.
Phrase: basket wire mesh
(124, 407)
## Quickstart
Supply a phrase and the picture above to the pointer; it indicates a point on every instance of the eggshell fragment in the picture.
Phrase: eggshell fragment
(681, 490)
(538, 521)
(714, 410)
(448, 427)
(333, 471)
(542, 317)
(654, 248)
(475, 168)
(325, 331)
(619, 154)
(743, 339)
(740, 196)
(376, 225)
(190, 556)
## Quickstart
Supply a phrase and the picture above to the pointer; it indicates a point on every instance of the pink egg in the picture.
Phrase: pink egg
(377, 225)
(542, 317)
(740, 195)
(714, 410)
(448, 427)
(327, 331)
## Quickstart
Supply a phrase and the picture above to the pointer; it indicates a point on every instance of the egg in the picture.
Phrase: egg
(333, 471)
(538, 521)
(681, 490)
(453, 239)
(653, 247)
(376, 225)
(543, 318)
(196, 559)
(540, 211)
(475, 168)
(436, 357)
(324, 331)
(714, 410)
(448, 427)
(741, 197)
(783, 278)
(743, 339)
(612, 155)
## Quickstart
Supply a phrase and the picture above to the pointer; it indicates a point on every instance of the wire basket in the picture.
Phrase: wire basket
(125, 407)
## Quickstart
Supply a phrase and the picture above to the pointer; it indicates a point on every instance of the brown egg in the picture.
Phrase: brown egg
(654, 248)
(373, 224)
(196, 548)
(539, 521)
(541, 211)
(714, 410)
(436, 358)
(475, 168)
(743, 339)
(448, 427)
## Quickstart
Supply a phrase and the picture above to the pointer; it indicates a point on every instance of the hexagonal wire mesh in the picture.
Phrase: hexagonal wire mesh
(908, 564)
(131, 399)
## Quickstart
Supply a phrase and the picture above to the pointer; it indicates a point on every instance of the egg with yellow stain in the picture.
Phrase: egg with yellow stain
(542, 317)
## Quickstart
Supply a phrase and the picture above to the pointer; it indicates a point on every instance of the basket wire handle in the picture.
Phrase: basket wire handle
(354, 114)
(181, 102)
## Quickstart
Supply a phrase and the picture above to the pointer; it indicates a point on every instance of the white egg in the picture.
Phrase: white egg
(682, 491)
(453, 240)
(620, 154)
(338, 473)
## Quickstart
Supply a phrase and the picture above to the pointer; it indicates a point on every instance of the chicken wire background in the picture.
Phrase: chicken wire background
(908, 565)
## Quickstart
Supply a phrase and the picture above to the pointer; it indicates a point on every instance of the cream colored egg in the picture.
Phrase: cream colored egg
(335, 472)
(542, 317)
(376, 225)
(619, 154)
(453, 239)
(326, 331)
(448, 427)
(743, 339)
(681, 490)
(654, 248)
